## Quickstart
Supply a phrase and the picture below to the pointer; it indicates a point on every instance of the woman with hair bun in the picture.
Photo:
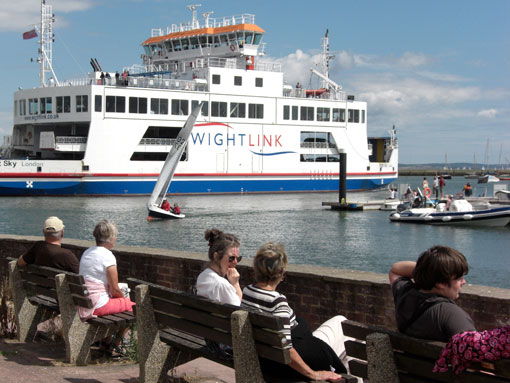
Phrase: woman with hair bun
(220, 280)
(314, 356)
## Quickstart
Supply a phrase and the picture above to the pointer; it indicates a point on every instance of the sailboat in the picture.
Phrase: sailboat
(168, 170)
(445, 174)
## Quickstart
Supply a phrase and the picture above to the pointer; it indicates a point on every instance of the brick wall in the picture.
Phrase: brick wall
(315, 293)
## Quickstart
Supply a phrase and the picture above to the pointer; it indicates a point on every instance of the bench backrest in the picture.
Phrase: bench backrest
(210, 320)
(39, 281)
(415, 358)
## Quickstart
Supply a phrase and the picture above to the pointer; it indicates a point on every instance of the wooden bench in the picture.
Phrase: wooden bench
(40, 293)
(172, 327)
(387, 356)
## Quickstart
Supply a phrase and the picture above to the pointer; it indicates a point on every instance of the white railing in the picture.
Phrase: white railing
(211, 22)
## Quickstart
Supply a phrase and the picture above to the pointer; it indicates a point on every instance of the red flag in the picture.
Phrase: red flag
(29, 35)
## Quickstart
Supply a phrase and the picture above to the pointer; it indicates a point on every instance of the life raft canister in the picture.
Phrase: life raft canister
(427, 192)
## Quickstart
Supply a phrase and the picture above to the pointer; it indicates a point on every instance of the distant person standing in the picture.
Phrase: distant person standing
(425, 183)
(441, 186)
(436, 187)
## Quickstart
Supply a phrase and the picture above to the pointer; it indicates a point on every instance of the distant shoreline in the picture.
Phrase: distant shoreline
(411, 171)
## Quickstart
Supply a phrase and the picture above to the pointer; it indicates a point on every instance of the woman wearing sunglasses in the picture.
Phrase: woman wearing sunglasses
(220, 280)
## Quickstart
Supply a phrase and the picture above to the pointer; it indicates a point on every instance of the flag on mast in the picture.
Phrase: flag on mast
(29, 34)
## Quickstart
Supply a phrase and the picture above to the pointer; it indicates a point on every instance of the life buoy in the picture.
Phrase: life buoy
(232, 47)
(427, 192)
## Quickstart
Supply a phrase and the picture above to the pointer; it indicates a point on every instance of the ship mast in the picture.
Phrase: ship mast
(47, 38)
(325, 59)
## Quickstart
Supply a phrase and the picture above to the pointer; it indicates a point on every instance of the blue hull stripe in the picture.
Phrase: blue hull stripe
(53, 187)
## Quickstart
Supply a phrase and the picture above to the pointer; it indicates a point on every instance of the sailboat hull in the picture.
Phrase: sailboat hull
(156, 212)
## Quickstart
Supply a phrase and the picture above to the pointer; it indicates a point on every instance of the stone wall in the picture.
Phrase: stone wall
(315, 293)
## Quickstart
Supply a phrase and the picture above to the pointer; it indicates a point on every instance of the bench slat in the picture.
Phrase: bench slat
(257, 319)
(358, 368)
(356, 349)
(33, 289)
(51, 272)
(47, 302)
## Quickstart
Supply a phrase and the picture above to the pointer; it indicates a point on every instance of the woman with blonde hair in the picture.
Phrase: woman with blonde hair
(314, 356)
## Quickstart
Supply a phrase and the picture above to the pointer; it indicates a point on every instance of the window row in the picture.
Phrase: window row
(44, 105)
(117, 104)
(235, 39)
(238, 80)
(310, 113)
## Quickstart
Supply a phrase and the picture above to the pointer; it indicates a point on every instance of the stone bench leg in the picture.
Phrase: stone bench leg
(156, 357)
(28, 316)
(246, 362)
(78, 335)
(381, 365)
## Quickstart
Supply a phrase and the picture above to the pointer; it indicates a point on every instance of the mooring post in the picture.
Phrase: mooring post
(342, 187)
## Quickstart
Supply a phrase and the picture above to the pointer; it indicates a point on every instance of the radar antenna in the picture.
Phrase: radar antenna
(193, 8)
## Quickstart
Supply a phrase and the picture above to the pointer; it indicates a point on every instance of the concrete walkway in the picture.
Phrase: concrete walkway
(43, 363)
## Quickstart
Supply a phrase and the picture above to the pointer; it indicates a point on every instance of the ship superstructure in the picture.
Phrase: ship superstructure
(109, 133)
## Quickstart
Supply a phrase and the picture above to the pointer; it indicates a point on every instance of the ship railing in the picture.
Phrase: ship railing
(289, 91)
(210, 22)
(70, 140)
(164, 83)
(317, 145)
(235, 63)
(157, 141)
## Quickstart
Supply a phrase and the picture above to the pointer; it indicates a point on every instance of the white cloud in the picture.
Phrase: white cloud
(22, 14)
(487, 113)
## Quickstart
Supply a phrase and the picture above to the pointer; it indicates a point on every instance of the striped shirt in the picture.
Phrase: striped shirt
(271, 302)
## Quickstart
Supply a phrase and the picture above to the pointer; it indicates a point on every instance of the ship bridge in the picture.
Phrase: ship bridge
(236, 37)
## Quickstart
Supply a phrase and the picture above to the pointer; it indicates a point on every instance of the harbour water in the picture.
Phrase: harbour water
(312, 234)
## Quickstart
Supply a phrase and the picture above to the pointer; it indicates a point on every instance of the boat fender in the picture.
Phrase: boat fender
(395, 216)
(467, 217)
(428, 218)
(447, 218)
(427, 192)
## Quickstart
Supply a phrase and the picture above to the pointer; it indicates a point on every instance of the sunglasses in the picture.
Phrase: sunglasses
(233, 257)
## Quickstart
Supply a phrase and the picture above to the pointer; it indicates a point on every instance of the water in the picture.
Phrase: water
(311, 233)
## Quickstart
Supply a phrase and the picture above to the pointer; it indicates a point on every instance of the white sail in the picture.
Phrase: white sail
(172, 159)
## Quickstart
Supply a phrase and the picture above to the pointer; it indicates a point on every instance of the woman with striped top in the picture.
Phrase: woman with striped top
(313, 355)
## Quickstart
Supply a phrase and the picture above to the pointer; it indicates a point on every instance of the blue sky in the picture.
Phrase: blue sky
(438, 70)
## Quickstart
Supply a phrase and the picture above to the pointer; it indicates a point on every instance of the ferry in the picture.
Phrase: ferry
(109, 132)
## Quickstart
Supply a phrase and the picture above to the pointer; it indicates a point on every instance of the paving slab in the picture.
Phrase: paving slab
(42, 362)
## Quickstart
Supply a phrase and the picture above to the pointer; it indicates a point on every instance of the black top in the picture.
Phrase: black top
(43, 253)
(427, 316)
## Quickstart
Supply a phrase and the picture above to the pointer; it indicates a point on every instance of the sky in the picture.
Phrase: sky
(438, 70)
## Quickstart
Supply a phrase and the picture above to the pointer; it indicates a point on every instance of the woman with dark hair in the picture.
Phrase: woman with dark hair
(220, 280)
(313, 355)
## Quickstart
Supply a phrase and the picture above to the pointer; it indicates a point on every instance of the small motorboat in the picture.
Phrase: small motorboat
(502, 195)
(460, 212)
(487, 178)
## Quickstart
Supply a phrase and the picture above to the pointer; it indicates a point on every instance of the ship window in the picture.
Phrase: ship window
(353, 115)
(295, 111)
(307, 113)
(216, 41)
(98, 100)
(238, 80)
(218, 109)
(338, 115)
(22, 107)
(323, 114)
(259, 82)
(137, 105)
(205, 107)
(177, 45)
(194, 42)
(203, 41)
(258, 36)
(223, 40)
(168, 46)
(185, 44)
(317, 140)
(115, 104)
(286, 112)
(240, 38)
(216, 78)
(249, 37)
(63, 104)
(159, 106)
(46, 105)
(237, 110)
(33, 105)
(362, 116)
(180, 107)
(147, 50)
(82, 103)
(16, 111)
(256, 110)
